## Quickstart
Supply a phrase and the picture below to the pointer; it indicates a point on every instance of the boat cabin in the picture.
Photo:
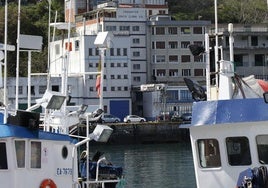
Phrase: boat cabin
(228, 137)
(34, 158)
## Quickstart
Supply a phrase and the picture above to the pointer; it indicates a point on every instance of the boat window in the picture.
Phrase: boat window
(35, 154)
(262, 146)
(3, 155)
(20, 153)
(238, 151)
(64, 152)
(209, 153)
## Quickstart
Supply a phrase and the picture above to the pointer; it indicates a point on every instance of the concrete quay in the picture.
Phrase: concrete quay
(147, 133)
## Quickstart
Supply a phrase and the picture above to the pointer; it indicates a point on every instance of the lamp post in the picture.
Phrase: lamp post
(231, 41)
(216, 41)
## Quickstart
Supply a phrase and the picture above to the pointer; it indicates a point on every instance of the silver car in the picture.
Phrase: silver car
(109, 118)
(134, 118)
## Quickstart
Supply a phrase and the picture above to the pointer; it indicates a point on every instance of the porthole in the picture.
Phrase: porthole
(64, 152)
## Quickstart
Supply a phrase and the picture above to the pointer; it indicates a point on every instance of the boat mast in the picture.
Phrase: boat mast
(5, 60)
(18, 58)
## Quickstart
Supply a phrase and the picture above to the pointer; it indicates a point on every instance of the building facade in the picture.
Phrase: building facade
(147, 47)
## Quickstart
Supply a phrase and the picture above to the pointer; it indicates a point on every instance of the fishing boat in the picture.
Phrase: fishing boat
(31, 157)
(229, 132)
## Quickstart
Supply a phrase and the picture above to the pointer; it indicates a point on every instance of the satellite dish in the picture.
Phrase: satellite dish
(198, 92)
(2, 55)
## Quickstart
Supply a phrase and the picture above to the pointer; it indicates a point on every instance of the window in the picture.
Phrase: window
(173, 44)
(125, 76)
(173, 72)
(161, 72)
(185, 30)
(91, 89)
(118, 64)
(20, 153)
(198, 58)
(119, 76)
(110, 28)
(135, 28)
(254, 41)
(125, 88)
(111, 51)
(3, 156)
(172, 30)
(35, 154)
(112, 89)
(112, 77)
(185, 44)
(55, 88)
(172, 95)
(186, 72)
(97, 52)
(112, 64)
(198, 72)
(209, 153)
(125, 64)
(185, 95)
(42, 89)
(238, 151)
(185, 58)
(137, 78)
(160, 45)
(262, 146)
(238, 60)
(173, 58)
(197, 30)
(124, 51)
(20, 90)
(118, 51)
(119, 88)
(136, 41)
(160, 30)
(259, 59)
(136, 66)
(160, 58)
(136, 54)
(76, 45)
(124, 28)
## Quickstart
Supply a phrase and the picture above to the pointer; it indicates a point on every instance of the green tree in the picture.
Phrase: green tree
(34, 21)
(243, 11)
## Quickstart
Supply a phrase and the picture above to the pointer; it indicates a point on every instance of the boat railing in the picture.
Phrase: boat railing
(85, 184)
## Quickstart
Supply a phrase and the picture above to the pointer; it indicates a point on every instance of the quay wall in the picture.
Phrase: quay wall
(149, 132)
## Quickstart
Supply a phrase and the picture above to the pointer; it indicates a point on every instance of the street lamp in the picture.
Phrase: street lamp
(231, 41)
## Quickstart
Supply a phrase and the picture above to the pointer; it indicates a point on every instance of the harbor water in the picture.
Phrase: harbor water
(152, 165)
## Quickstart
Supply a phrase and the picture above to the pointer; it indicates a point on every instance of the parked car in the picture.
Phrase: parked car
(133, 118)
(186, 116)
(176, 117)
(109, 118)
